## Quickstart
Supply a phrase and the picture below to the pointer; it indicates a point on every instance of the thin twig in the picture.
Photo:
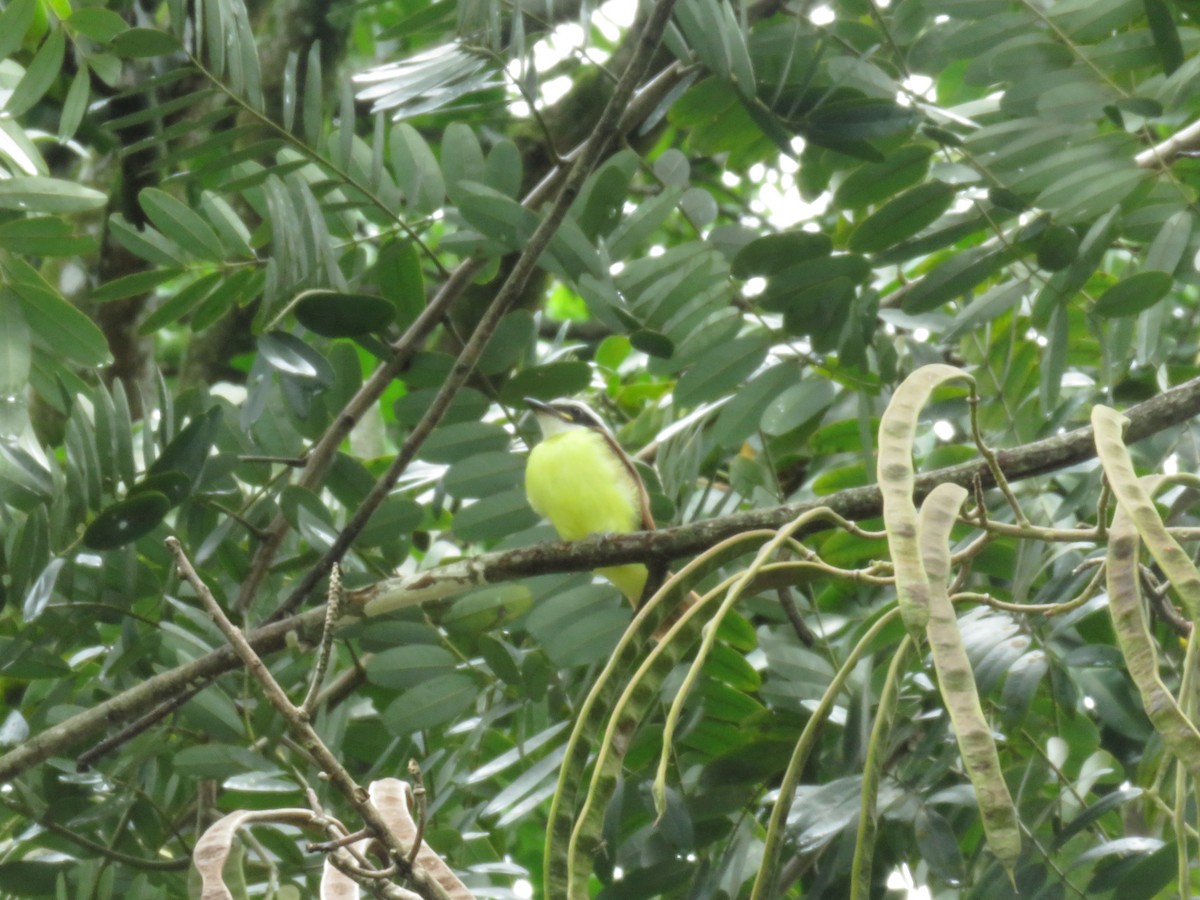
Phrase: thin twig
(97, 849)
(322, 454)
(788, 603)
(603, 134)
(418, 791)
(299, 726)
(992, 462)
(85, 760)
(1156, 598)
(294, 462)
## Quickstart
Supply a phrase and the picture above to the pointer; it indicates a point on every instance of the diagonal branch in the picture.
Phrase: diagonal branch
(634, 111)
(1166, 410)
(604, 133)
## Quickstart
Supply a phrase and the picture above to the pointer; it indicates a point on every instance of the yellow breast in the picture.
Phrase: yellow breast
(574, 480)
(577, 482)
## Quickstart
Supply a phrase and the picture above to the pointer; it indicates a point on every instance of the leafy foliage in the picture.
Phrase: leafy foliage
(243, 271)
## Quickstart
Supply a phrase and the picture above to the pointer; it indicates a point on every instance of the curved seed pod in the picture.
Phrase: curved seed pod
(629, 709)
(877, 752)
(213, 849)
(737, 587)
(764, 881)
(957, 682)
(1135, 500)
(1137, 646)
(896, 482)
(569, 844)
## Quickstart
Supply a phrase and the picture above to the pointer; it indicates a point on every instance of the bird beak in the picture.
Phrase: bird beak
(542, 409)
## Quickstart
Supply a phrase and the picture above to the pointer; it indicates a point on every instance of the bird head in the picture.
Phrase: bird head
(557, 416)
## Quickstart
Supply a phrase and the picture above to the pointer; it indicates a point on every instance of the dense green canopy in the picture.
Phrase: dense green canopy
(851, 281)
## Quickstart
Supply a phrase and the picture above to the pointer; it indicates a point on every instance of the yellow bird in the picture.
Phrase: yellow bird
(581, 479)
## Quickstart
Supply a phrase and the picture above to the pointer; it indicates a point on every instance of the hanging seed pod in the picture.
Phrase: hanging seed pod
(957, 682)
(897, 480)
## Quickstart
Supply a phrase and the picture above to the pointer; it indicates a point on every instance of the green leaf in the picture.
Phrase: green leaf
(145, 243)
(416, 170)
(14, 23)
(1170, 244)
(430, 703)
(188, 451)
(776, 252)
(643, 222)
(1166, 35)
(450, 443)
(796, 283)
(174, 485)
(126, 520)
(1054, 360)
(989, 305)
(496, 215)
(798, 404)
(1057, 247)
(42, 590)
(858, 119)
(599, 206)
(395, 519)
(468, 405)
(504, 170)
(672, 168)
(338, 314)
(487, 609)
(131, 285)
(97, 23)
(41, 74)
(43, 236)
(31, 878)
(179, 223)
(183, 302)
(39, 194)
(721, 370)
(545, 382)
(512, 338)
(902, 217)
(495, 517)
(741, 416)
(937, 842)
(215, 760)
(1131, 295)
(143, 43)
(16, 354)
(954, 278)
(462, 158)
(55, 321)
(875, 182)
(313, 89)
(75, 104)
(652, 343)
(398, 274)
(484, 474)
(406, 667)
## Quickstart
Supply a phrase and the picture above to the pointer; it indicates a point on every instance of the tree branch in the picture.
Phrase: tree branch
(634, 110)
(603, 135)
(1163, 154)
(1168, 409)
(1172, 407)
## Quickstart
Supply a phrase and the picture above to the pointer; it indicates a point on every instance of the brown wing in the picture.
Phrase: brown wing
(643, 494)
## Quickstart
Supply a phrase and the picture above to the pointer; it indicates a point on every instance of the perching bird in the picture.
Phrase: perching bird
(581, 479)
